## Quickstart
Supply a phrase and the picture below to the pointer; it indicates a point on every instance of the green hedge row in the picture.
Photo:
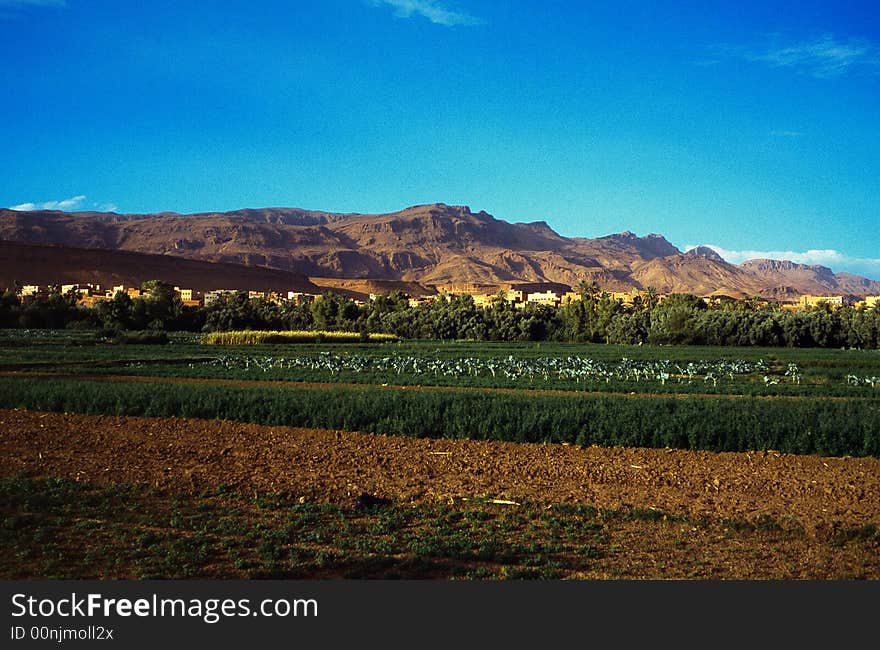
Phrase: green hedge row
(818, 426)
(260, 337)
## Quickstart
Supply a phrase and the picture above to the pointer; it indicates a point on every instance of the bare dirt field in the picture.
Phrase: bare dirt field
(177, 498)
(187, 455)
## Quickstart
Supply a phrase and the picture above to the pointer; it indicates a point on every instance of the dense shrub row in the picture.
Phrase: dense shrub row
(259, 337)
(143, 337)
(802, 426)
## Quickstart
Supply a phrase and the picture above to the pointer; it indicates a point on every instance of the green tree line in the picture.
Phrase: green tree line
(679, 319)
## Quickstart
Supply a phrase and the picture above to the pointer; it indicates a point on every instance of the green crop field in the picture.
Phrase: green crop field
(531, 366)
(716, 423)
(61, 525)
(719, 399)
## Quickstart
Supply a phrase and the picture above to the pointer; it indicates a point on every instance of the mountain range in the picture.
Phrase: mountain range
(420, 246)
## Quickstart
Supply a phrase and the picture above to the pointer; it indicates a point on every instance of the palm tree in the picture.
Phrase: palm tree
(589, 290)
(650, 299)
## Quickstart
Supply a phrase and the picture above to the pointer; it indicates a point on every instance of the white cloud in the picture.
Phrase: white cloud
(833, 259)
(107, 207)
(65, 204)
(430, 9)
(823, 57)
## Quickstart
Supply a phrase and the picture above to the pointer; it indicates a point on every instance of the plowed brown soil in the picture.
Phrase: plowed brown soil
(189, 455)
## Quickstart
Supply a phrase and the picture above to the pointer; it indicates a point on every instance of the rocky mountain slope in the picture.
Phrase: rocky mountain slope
(428, 244)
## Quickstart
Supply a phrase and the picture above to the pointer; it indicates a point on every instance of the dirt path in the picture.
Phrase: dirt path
(192, 455)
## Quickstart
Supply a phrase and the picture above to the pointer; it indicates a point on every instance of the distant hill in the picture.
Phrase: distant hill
(431, 245)
(36, 264)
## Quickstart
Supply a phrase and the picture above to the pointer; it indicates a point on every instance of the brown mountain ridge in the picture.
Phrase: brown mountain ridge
(426, 244)
(44, 265)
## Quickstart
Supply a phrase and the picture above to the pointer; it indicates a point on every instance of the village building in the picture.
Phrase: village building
(83, 289)
(32, 290)
(868, 302)
(484, 299)
(212, 296)
(421, 300)
(300, 298)
(183, 294)
(625, 297)
(544, 298)
(813, 301)
(465, 289)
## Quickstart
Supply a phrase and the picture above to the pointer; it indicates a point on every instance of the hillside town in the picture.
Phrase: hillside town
(89, 295)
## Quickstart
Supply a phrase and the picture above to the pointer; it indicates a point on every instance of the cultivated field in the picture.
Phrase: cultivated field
(489, 460)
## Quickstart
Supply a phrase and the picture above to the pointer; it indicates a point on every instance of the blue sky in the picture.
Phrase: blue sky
(753, 127)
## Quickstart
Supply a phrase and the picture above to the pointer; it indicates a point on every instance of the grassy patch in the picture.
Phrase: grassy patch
(55, 528)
